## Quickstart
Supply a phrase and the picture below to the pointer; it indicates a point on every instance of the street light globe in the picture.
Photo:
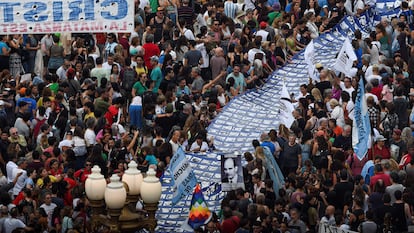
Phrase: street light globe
(151, 188)
(133, 178)
(115, 193)
(95, 185)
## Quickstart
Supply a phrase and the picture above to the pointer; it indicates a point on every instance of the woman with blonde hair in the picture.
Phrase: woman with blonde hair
(337, 112)
(316, 93)
(407, 136)
(284, 131)
(259, 153)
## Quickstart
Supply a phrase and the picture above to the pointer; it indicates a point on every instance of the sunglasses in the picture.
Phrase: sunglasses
(88, 165)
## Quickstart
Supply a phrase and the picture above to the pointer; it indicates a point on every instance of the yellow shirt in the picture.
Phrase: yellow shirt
(39, 182)
(89, 115)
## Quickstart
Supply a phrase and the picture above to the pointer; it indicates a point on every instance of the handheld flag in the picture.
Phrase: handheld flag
(286, 108)
(183, 178)
(346, 58)
(361, 130)
(274, 171)
(199, 212)
(309, 55)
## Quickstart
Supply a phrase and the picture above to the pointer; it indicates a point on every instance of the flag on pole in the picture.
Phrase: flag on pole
(309, 55)
(346, 58)
(361, 129)
(199, 212)
(183, 178)
(286, 108)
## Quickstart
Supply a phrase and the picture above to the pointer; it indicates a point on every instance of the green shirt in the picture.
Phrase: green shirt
(154, 5)
(272, 16)
(139, 88)
(54, 87)
(156, 76)
(101, 105)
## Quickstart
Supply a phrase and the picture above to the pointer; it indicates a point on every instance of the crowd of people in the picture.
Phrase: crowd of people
(71, 101)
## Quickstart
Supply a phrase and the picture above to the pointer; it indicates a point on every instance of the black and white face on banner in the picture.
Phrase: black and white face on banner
(231, 172)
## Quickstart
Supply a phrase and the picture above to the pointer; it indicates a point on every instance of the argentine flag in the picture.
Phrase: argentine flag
(361, 130)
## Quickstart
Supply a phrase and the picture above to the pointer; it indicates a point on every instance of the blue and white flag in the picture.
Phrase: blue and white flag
(182, 176)
(274, 171)
(361, 130)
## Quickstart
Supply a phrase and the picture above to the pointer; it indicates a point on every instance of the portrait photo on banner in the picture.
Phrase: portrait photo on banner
(231, 172)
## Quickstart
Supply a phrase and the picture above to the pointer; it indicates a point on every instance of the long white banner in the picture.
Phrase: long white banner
(325, 228)
(38, 17)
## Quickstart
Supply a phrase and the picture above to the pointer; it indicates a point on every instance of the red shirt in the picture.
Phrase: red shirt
(406, 159)
(82, 174)
(150, 49)
(384, 152)
(230, 225)
(100, 38)
(377, 91)
(380, 176)
(111, 113)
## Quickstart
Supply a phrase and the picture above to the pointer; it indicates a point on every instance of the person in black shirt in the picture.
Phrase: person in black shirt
(320, 112)
(382, 210)
(324, 83)
(342, 189)
(343, 141)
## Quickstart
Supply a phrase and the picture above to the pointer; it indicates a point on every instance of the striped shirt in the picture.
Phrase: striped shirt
(230, 9)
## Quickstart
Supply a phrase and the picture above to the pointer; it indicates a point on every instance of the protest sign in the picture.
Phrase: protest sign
(79, 16)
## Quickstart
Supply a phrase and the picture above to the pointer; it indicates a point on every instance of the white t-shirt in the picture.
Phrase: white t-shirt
(372, 77)
(20, 181)
(49, 211)
(12, 223)
(90, 137)
(136, 101)
(188, 34)
(10, 166)
(204, 146)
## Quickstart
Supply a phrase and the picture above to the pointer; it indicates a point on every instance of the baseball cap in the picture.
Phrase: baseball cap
(263, 24)
(319, 65)
(397, 132)
(381, 138)
(155, 58)
(276, 6)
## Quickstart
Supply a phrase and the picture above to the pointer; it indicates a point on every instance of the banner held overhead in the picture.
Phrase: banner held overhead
(78, 16)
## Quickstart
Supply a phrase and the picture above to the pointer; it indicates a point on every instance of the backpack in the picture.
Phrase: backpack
(128, 79)
(36, 129)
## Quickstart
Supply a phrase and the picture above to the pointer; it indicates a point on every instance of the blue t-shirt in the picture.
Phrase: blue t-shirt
(270, 145)
(3, 45)
(151, 159)
(182, 91)
(322, 4)
(32, 104)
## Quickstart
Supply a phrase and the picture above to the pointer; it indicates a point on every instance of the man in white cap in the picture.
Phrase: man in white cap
(156, 74)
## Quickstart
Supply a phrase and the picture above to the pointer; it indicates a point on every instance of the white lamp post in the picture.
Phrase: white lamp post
(95, 189)
(115, 196)
(151, 188)
(133, 178)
